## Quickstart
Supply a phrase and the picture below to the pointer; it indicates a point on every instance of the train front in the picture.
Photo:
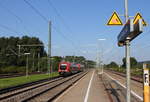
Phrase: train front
(64, 68)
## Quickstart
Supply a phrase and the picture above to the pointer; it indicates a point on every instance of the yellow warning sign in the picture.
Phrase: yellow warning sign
(114, 20)
(137, 17)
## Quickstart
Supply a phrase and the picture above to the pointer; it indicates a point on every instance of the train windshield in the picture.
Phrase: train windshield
(63, 66)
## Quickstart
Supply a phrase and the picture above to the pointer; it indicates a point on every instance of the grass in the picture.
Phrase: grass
(8, 82)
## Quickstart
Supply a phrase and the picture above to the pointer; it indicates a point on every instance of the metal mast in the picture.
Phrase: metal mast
(49, 48)
(127, 47)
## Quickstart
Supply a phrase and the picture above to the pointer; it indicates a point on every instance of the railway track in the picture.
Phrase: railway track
(9, 75)
(45, 91)
(114, 84)
(13, 88)
(135, 78)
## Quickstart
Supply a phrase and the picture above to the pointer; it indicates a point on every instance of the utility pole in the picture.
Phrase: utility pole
(19, 50)
(126, 11)
(127, 47)
(101, 55)
(33, 60)
(27, 64)
(74, 57)
(49, 48)
(38, 62)
(97, 58)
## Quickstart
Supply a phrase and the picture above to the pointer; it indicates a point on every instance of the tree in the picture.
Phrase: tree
(75, 59)
(112, 65)
(9, 50)
(55, 62)
(90, 64)
(133, 62)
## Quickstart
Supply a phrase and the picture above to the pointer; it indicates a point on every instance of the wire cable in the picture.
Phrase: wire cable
(59, 15)
(61, 18)
(9, 29)
(46, 20)
(36, 10)
(16, 16)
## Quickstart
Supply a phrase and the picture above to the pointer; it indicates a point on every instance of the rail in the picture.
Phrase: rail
(117, 90)
(37, 90)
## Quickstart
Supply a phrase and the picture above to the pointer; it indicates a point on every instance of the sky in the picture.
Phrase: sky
(76, 26)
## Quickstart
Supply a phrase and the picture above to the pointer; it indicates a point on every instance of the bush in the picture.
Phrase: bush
(13, 69)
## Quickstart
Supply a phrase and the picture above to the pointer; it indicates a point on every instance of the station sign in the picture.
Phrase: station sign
(130, 31)
(127, 29)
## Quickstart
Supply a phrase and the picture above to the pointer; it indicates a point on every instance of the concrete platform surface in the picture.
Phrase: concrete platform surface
(88, 89)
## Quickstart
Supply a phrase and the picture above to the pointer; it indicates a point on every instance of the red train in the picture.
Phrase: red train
(67, 68)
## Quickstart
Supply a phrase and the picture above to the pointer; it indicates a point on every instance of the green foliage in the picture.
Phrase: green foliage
(133, 62)
(112, 65)
(136, 68)
(13, 69)
(90, 64)
(43, 64)
(76, 59)
(55, 60)
(9, 52)
(10, 62)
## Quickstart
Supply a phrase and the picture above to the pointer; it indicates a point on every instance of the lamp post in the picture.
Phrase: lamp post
(27, 64)
(98, 55)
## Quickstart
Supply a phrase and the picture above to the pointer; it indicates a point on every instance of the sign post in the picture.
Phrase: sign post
(146, 93)
(127, 34)
(131, 30)
(128, 75)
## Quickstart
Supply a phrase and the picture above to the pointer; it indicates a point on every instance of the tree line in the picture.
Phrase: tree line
(9, 52)
(136, 67)
(13, 60)
(133, 62)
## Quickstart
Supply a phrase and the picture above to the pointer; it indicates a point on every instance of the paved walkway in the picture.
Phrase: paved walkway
(88, 89)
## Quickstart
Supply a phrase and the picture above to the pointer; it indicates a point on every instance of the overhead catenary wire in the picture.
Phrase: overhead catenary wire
(36, 10)
(66, 38)
(65, 25)
(60, 17)
(46, 20)
(113, 54)
(10, 12)
(8, 28)
(16, 16)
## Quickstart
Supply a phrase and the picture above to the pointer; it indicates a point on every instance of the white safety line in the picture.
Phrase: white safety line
(132, 92)
(68, 90)
(88, 90)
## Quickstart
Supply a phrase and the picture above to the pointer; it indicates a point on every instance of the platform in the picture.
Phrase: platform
(88, 89)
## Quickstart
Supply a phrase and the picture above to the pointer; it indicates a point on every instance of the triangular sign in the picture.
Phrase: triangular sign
(137, 17)
(114, 20)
